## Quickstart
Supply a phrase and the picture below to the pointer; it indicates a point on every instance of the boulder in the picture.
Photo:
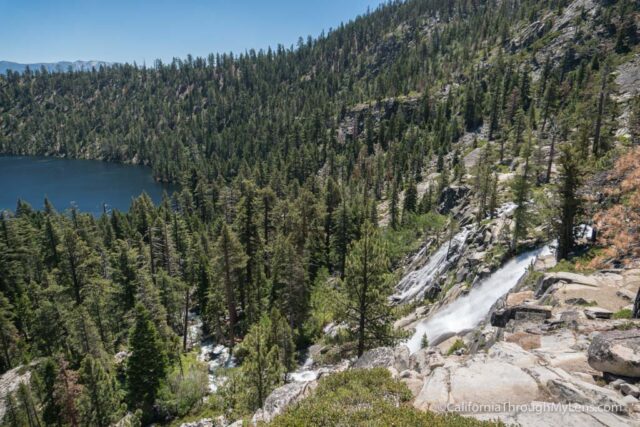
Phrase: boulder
(282, 397)
(598, 313)
(434, 394)
(626, 294)
(401, 358)
(584, 393)
(630, 390)
(205, 422)
(500, 318)
(412, 380)
(616, 352)
(377, 357)
(518, 298)
(551, 278)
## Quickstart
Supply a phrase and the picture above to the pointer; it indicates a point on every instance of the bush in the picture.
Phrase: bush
(185, 388)
(363, 397)
(459, 344)
(625, 313)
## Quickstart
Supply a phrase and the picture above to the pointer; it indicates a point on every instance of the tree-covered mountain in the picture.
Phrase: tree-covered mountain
(307, 174)
(52, 67)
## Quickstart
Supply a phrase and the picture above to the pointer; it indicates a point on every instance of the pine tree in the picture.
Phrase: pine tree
(367, 289)
(249, 237)
(28, 405)
(98, 403)
(47, 375)
(569, 201)
(230, 261)
(393, 208)
(288, 281)
(282, 336)
(342, 234)
(521, 197)
(262, 369)
(426, 202)
(147, 363)
(66, 393)
(410, 201)
(78, 263)
(8, 334)
(14, 415)
(597, 142)
(424, 342)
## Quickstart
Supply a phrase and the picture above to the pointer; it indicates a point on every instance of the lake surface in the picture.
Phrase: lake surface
(87, 184)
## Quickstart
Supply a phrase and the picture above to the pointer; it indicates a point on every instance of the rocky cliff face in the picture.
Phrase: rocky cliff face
(551, 350)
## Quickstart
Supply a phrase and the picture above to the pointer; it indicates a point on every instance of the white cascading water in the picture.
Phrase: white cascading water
(304, 373)
(216, 356)
(467, 311)
(415, 283)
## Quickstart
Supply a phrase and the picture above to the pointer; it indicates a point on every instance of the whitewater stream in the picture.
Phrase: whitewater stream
(216, 356)
(418, 281)
(468, 311)
(415, 284)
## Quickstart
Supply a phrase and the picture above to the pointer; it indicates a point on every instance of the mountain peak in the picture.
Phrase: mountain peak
(60, 66)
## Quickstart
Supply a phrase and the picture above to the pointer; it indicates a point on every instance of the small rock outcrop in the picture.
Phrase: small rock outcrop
(282, 397)
(500, 318)
(616, 352)
(9, 382)
(450, 198)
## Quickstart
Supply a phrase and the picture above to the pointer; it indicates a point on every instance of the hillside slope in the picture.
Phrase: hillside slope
(390, 180)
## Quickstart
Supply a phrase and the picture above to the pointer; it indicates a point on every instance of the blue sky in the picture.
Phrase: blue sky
(143, 30)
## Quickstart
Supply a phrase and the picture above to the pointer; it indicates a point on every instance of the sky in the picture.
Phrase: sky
(144, 30)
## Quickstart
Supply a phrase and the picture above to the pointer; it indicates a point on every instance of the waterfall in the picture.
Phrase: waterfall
(304, 373)
(415, 284)
(467, 311)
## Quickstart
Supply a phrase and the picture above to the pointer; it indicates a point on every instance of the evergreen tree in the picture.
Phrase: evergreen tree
(410, 201)
(47, 375)
(288, 282)
(78, 263)
(66, 393)
(367, 289)
(393, 208)
(147, 363)
(28, 405)
(521, 198)
(8, 334)
(98, 403)
(569, 201)
(230, 261)
(262, 369)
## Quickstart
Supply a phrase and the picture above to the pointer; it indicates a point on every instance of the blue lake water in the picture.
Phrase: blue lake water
(87, 184)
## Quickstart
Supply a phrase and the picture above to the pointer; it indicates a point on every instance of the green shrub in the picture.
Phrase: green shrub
(457, 345)
(365, 398)
(185, 387)
(625, 313)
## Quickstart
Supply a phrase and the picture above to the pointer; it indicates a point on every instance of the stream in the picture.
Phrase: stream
(416, 283)
(468, 311)
(216, 356)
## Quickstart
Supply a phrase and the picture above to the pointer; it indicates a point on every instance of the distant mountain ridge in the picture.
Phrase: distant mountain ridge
(61, 66)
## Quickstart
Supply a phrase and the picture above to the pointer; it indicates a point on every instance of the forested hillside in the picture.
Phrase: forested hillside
(307, 174)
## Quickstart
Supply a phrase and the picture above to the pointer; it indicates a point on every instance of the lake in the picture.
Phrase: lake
(87, 184)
